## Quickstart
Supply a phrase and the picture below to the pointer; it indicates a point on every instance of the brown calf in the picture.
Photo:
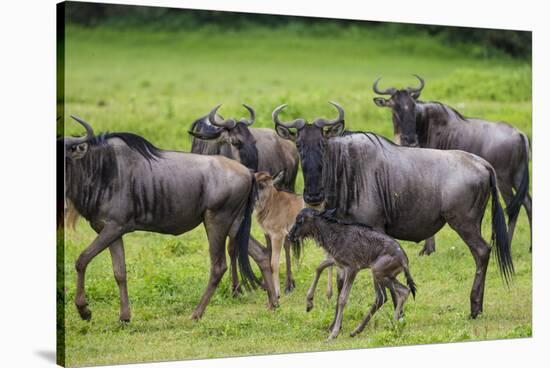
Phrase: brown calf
(276, 211)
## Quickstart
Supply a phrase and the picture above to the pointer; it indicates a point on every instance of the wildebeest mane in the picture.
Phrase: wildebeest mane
(448, 111)
(335, 220)
(133, 141)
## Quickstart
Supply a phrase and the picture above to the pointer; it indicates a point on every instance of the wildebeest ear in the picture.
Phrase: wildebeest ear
(381, 102)
(415, 95)
(335, 130)
(279, 177)
(330, 213)
(285, 133)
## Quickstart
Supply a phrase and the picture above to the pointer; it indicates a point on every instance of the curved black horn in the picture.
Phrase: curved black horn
(297, 124)
(388, 91)
(215, 119)
(252, 116)
(323, 122)
(418, 89)
(89, 133)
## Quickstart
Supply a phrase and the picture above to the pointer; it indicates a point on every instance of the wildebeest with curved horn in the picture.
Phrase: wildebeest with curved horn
(120, 183)
(259, 149)
(408, 193)
(439, 126)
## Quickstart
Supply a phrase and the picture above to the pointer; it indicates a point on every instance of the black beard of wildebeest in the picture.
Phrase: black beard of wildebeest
(354, 247)
(120, 183)
(408, 193)
(435, 125)
(259, 149)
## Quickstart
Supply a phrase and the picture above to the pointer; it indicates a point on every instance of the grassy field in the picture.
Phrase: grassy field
(156, 83)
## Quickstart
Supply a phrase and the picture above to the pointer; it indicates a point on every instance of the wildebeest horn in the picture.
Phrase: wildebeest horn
(297, 124)
(252, 116)
(78, 140)
(389, 91)
(418, 89)
(324, 122)
(216, 120)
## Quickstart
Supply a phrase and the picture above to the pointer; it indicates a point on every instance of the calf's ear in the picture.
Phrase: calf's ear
(285, 133)
(381, 102)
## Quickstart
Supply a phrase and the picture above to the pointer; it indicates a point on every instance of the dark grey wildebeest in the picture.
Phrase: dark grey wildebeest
(436, 125)
(408, 193)
(259, 149)
(120, 183)
(354, 247)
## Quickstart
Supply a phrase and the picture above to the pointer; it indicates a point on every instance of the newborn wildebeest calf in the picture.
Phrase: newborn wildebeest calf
(355, 247)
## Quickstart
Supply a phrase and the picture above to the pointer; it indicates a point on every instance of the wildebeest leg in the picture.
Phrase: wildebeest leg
(119, 268)
(217, 231)
(268, 245)
(339, 285)
(470, 232)
(329, 283)
(318, 271)
(236, 288)
(508, 194)
(343, 295)
(106, 236)
(380, 299)
(429, 247)
(277, 246)
(258, 254)
(527, 206)
(289, 282)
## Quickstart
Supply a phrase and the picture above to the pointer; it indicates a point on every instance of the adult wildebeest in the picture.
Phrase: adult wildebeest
(436, 125)
(408, 193)
(354, 247)
(259, 149)
(121, 183)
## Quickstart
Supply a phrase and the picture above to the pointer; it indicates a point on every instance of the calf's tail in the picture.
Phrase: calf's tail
(410, 282)
(248, 278)
(499, 237)
(515, 205)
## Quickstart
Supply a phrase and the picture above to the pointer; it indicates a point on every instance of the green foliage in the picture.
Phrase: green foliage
(156, 83)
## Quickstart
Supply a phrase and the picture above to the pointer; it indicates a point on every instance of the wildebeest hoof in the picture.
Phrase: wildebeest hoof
(195, 316)
(329, 294)
(425, 252)
(353, 333)
(124, 317)
(290, 286)
(474, 315)
(309, 306)
(238, 290)
(85, 313)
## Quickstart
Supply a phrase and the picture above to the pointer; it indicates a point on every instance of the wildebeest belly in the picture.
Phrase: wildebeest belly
(414, 231)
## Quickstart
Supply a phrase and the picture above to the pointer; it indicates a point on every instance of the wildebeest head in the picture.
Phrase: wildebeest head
(403, 105)
(238, 143)
(311, 140)
(77, 147)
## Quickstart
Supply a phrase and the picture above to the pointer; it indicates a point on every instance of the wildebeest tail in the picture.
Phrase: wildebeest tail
(515, 205)
(248, 278)
(499, 237)
(410, 282)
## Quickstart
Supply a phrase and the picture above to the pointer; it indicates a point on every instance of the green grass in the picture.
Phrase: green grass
(156, 83)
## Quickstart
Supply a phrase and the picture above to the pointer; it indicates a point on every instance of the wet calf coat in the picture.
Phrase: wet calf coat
(354, 247)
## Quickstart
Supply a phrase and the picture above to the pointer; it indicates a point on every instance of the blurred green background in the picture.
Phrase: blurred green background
(152, 71)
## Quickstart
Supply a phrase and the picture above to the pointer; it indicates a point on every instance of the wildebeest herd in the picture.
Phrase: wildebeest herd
(361, 193)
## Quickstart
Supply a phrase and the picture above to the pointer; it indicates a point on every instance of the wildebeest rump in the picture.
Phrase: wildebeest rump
(355, 247)
(436, 125)
(121, 183)
(408, 193)
(259, 149)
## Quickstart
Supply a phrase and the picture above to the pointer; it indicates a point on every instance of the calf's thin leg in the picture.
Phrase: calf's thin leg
(329, 282)
(277, 245)
(349, 277)
(318, 271)
(289, 281)
(339, 285)
(119, 268)
(379, 301)
(106, 236)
